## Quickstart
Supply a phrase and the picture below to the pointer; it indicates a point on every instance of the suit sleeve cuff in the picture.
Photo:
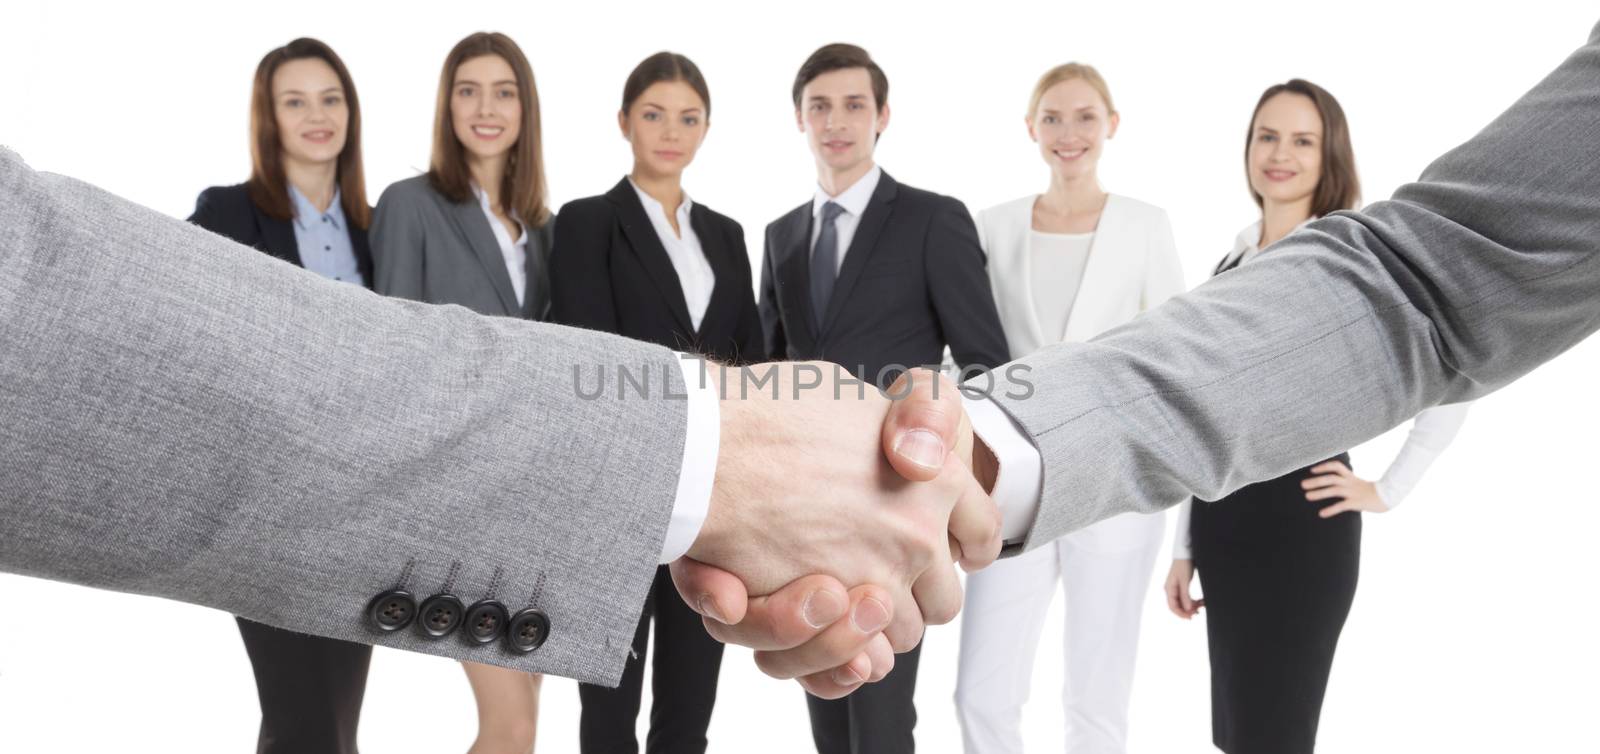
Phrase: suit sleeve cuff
(700, 446)
(1018, 480)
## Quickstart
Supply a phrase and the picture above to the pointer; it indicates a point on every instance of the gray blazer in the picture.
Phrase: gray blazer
(182, 416)
(430, 249)
(185, 417)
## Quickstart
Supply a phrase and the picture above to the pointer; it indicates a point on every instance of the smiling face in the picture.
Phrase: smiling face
(485, 111)
(1071, 126)
(309, 104)
(666, 125)
(1285, 155)
(841, 119)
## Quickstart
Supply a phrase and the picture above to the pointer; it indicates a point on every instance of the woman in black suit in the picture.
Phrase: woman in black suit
(644, 261)
(305, 203)
(1279, 560)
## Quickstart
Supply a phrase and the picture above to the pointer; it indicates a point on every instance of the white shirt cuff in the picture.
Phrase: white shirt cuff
(1181, 544)
(1020, 477)
(699, 470)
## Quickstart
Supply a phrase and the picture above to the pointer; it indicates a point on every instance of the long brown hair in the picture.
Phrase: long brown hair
(522, 186)
(268, 186)
(1339, 187)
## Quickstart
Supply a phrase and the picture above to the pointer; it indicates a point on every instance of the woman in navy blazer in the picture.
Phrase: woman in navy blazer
(644, 261)
(305, 203)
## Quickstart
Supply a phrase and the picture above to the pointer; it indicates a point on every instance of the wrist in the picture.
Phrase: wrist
(734, 419)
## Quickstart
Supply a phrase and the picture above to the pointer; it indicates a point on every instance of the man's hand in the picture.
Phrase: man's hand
(812, 629)
(802, 487)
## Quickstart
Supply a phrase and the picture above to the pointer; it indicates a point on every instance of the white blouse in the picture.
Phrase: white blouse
(695, 275)
(1057, 260)
(514, 252)
(1431, 431)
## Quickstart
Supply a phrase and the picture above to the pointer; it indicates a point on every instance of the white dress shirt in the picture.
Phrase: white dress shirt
(700, 446)
(854, 201)
(515, 252)
(1431, 431)
(695, 276)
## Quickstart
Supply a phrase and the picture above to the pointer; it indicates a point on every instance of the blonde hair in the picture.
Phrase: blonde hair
(1068, 72)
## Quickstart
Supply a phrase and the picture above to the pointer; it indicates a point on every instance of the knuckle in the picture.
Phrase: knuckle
(812, 687)
(771, 664)
(821, 689)
(719, 631)
(904, 639)
(942, 614)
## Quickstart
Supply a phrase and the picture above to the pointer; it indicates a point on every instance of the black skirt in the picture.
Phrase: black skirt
(1278, 583)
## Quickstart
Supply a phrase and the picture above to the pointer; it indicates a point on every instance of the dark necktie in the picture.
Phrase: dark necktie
(824, 263)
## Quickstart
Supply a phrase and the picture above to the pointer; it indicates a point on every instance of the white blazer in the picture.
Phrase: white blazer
(1133, 266)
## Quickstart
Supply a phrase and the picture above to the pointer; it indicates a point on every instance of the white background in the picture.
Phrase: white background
(1474, 626)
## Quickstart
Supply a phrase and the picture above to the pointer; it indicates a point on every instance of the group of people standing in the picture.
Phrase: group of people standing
(868, 273)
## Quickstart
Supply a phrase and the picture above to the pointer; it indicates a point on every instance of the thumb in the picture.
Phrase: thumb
(925, 422)
(709, 590)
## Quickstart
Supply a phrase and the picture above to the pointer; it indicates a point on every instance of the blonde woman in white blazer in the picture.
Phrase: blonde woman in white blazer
(1065, 266)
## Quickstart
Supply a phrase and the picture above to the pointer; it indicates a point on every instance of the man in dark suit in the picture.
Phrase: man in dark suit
(878, 277)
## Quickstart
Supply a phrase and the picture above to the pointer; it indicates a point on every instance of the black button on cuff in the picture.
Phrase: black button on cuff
(486, 621)
(529, 629)
(392, 610)
(441, 613)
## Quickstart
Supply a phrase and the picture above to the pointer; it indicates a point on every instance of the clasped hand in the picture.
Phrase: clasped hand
(837, 517)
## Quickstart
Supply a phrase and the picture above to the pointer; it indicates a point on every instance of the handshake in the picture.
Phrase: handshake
(836, 519)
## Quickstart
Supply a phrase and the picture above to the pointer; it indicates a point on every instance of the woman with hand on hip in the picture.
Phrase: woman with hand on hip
(1278, 560)
(305, 203)
(1066, 265)
(474, 230)
(645, 261)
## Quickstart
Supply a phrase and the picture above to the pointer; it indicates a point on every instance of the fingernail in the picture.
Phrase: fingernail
(870, 616)
(821, 609)
(920, 447)
(708, 608)
(846, 676)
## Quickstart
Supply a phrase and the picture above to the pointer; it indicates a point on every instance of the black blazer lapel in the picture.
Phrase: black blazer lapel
(277, 236)
(861, 246)
(794, 277)
(724, 303)
(536, 297)
(641, 235)
(474, 226)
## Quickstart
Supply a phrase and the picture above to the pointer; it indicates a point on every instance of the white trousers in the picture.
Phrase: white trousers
(1104, 572)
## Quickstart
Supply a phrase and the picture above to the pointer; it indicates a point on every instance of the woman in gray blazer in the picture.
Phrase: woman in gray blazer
(474, 231)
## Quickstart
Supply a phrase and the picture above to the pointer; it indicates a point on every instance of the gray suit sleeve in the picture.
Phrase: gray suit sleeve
(1483, 269)
(183, 417)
